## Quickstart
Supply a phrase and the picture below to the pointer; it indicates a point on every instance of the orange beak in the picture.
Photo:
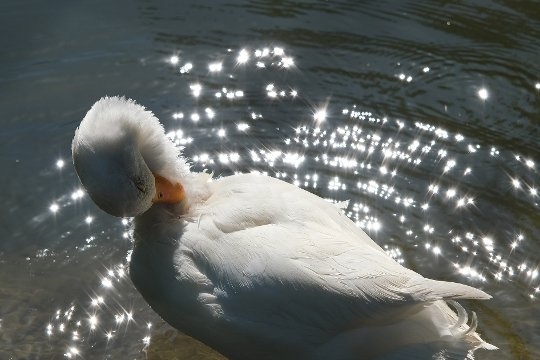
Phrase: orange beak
(167, 192)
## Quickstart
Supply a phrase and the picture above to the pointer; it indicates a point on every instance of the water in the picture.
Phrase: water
(424, 116)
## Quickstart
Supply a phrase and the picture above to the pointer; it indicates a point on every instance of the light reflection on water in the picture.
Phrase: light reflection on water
(429, 196)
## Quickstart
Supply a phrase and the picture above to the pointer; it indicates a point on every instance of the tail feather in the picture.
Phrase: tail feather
(460, 330)
(436, 331)
(461, 320)
(474, 324)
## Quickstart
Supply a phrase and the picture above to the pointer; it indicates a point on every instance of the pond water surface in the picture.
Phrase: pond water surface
(425, 115)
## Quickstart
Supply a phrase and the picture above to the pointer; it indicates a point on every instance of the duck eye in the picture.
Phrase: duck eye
(160, 195)
(139, 184)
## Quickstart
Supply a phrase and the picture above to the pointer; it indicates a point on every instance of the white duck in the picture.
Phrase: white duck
(253, 266)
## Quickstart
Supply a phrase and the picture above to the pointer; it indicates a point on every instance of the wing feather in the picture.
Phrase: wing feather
(282, 254)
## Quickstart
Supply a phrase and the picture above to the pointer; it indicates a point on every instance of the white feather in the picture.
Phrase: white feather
(258, 268)
(285, 267)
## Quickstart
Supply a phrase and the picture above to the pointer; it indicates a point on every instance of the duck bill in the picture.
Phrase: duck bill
(168, 192)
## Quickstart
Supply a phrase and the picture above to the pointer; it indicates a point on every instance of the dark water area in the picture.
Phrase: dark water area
(425, 115)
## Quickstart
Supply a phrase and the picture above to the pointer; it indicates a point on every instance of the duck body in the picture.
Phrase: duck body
(255, 267)
(264, 269)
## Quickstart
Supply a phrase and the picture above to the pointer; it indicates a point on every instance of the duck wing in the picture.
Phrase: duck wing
(280, 256)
